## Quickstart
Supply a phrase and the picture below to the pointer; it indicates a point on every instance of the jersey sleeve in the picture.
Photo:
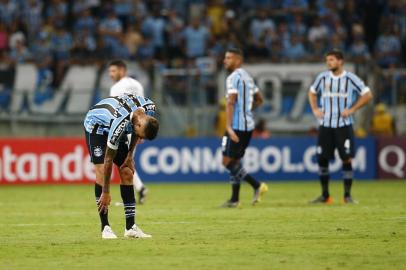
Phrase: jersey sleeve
(316, 86)
(232, 84)
(359, 85)
(117, 129)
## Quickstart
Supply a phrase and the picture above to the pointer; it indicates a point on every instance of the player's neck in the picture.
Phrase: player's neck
(338, 72)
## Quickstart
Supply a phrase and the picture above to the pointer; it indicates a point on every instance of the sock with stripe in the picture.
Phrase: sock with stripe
(103, 216)
(128, 197)
(347, 176)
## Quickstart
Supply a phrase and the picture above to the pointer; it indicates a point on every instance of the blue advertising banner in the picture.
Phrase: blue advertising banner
(289, 158)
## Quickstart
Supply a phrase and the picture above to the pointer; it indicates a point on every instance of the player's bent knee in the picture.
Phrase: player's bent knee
(126, 176)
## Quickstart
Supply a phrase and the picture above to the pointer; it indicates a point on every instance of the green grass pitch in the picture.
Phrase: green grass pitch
(57, 227)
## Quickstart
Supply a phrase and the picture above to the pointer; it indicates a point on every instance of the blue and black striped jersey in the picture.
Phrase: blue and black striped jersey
(112, 115)
(241, 83)
(335, 94)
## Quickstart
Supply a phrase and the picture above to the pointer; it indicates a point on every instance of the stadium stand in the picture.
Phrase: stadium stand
(47, 42)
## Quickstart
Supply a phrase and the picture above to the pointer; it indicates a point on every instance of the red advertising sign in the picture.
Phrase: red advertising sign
(45, 161)
(391, 157)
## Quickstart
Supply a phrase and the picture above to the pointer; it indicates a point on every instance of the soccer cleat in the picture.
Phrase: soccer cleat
(323, 199)
(231, 204)
(259, 192)
(108, 233)
(349, 200)
(135, 232)
(142, 194)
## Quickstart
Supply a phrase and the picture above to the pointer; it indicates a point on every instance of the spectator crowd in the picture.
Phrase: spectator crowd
(56, 33)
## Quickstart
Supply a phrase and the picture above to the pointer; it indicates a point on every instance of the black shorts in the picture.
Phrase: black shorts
(96, 144)
(233, 149)
(341, 138)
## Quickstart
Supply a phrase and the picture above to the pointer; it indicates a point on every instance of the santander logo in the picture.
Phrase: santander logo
(43, 166)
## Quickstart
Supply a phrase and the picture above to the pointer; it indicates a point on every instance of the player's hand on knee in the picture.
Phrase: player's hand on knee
(128, 163)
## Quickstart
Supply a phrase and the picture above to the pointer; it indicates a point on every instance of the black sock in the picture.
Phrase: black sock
(324, 181)
(104, 217)
(235, 189)
(239, 172)
(347, 175)
(127, 194)
(252, 181)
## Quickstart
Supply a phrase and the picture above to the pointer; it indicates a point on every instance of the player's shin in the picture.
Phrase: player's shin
(324, 176)
(128, 197)
(103, 214)
(347, 176)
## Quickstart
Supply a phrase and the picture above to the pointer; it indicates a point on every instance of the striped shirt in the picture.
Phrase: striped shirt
(241, 83)
(337, 93)
(112, 116)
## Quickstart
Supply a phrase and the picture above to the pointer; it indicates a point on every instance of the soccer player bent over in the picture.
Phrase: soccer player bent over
(106, 127)
(243, 97)
(340, 94)
(124, 85)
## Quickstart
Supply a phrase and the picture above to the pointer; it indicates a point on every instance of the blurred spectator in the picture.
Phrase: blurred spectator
(133, 39)
(296, 50)
(120, 49)
(102, 53)
(196, 39)
(8, 11)
(261, 25)
(336, 42)
(123, 8)
(83, 47)
(382, 122)
(20, 53)
(215, 12)
(317, 50)
(154, 27)
(61, 44)
(174, 30)
(16, 33)
(260, 130)
(358, 51)
(317, 31)
(297, 27)
(41, 50)
(31, 17)
(387, 49)
(57, 12)
(85, 21)
(110, 28)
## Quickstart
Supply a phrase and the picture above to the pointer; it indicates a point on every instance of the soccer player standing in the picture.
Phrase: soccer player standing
(127, 85)
(106, 127)
(340, 94)
(243, 96)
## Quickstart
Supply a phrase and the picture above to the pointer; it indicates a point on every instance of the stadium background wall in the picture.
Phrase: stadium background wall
(66, 160)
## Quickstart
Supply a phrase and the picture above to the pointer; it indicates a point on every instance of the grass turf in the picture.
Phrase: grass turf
(56, 227)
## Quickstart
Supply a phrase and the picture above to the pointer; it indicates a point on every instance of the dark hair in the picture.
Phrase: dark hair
(118, 63)
(151, 129)
(235, 50)
(337, 53)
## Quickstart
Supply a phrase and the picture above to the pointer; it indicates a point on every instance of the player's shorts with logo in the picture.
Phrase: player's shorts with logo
(341, 138)
(97, 144)
(233, 149)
